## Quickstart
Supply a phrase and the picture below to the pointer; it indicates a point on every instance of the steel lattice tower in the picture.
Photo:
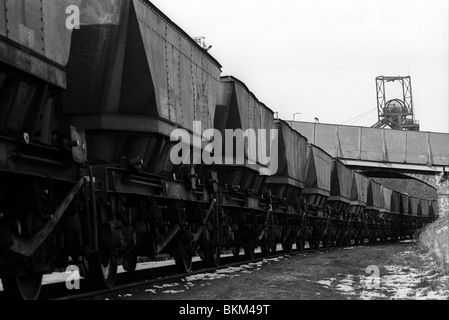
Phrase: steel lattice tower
(396, 113)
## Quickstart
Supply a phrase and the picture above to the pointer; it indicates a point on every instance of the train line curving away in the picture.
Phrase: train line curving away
(121, 139)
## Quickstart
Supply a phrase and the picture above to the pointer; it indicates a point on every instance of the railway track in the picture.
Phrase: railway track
(147, 278)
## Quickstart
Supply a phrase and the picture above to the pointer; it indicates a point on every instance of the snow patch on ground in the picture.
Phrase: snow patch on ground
(395, 282)
(173, 291)
(202, 279)
(167, 285)
(150, 290)
(325, 283)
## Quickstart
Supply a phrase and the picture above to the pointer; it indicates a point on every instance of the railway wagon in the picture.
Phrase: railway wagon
(391, 216)
(38, 153)
(133, 78)
(339, 202)
(359, 201)
(122, 90)
(315, 194)
(374, 205)
(286, 186)
(144, 92)
(35, 42)
(416, 212)
(389, 213)
(245, 125)
(433, 209)
(406, 216)
(289, 180)
(424, 203)
(428, 208)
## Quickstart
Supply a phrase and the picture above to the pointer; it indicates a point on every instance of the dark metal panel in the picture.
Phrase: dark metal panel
(396, 202)
(3, 18)
(225, 93)
(405, 204)
(96, 59)
(242, 100)
(252, 125)
(183, 75)
(25, 23)
(238, 108)
(153, 30)
(341, 182)
(359, 189)
(424, 206)
(375, 196)
(319, 166)
(172, 66)
(126, 64)
(434, 209)
(415, 206)
(173, 25)
(387, 195)
(57, 36)
(298, 156)
(249, 110)
(186, 83)
(292, 151)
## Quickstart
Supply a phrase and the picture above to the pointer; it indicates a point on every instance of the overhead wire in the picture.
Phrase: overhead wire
(359, 117)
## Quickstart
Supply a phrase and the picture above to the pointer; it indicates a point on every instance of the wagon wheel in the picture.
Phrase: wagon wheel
(130, 262)
(212, 254)
(103, 268)
(265, 247)
(361, 240)
(341, 241)
(249, 252)
(326, 242)
(315, 243)
(300, 243)
(183, 259)
(235, 251)
(183, 263)
(22, 287)
(273, 247)
(287, 247)
(347, 240)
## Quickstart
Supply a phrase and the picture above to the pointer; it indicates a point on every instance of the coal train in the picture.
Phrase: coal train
(89, 170)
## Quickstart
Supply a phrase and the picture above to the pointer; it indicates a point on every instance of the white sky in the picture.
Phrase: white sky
(321, 57)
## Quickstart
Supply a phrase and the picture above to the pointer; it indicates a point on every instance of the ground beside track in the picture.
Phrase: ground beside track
(404, 272)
